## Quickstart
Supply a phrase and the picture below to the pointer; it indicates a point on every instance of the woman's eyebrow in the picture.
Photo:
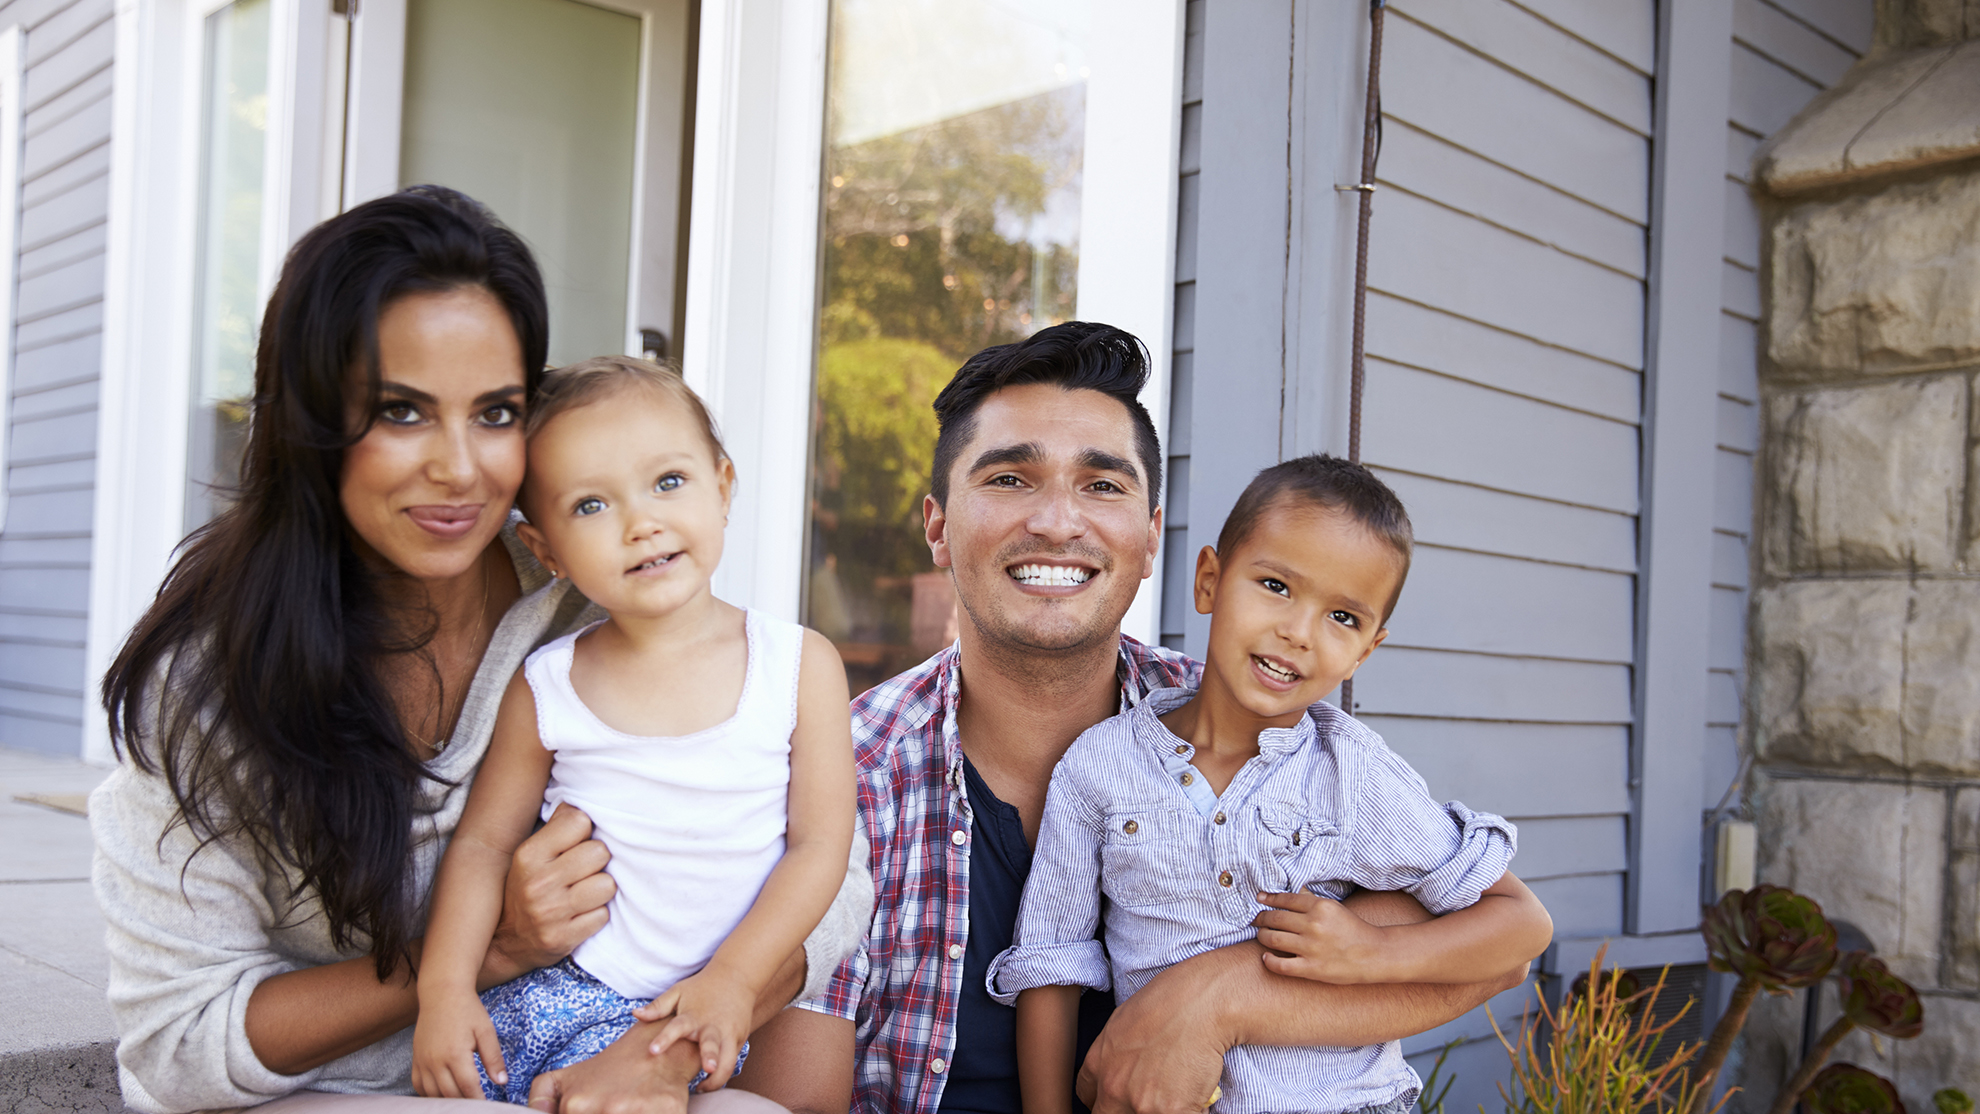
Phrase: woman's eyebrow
(499, 395)
(413, 393)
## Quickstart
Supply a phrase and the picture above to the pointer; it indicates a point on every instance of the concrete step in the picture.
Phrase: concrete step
(57, 1051)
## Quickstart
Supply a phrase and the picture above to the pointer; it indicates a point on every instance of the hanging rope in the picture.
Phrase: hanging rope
(1371, 150)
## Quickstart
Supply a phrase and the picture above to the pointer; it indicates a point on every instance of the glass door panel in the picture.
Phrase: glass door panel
(531, 106)
(953, 158)
(227, 298)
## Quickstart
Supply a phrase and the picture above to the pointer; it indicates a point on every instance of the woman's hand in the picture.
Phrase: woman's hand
(554, 899)
(448, 1035)
(709, 1009)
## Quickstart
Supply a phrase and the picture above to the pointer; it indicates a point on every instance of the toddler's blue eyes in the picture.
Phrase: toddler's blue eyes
(669, 482)
(588, 506)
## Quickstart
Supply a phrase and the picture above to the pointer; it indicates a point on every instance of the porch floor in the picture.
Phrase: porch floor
(57, 1050)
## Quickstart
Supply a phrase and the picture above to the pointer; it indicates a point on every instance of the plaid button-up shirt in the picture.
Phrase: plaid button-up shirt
(900, 990)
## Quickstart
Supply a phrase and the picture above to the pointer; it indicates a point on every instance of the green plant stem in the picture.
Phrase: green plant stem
(1722, 1040)
(1805, 1075)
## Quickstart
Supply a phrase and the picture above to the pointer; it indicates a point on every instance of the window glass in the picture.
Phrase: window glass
(954, 134)
(228, 291)
(529, 106)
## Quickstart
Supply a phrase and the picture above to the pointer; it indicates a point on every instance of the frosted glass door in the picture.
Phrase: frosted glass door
(531, 107)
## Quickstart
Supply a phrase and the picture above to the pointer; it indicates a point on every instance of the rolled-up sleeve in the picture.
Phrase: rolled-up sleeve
(188, 940)
(1058, 921)
(1446, 856)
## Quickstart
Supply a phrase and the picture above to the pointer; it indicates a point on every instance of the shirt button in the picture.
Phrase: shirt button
(1220, 818)
(1130, 827)
(955, 951)
(1224, 879)
(1182, 748)
(1295, 839)
(957, 837)
(938, 1065)
(1189, 779)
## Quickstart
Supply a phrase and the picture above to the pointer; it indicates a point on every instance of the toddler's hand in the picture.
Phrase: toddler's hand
(1312, 937)
(711, 1008)
(445, 1040)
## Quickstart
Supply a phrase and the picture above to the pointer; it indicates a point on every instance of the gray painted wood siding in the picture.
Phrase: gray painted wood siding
(50, 466)
(1783, 53)
(1505, 381)
(1180, 563)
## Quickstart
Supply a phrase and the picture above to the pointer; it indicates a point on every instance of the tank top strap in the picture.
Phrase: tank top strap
(548, 673)
(776, 648)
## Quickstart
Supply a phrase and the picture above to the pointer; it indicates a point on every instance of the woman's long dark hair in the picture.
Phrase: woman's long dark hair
(262, 652)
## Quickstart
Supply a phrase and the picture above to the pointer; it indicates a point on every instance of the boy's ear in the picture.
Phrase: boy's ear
(1380, 636)
(538, 545)
(1208, 570)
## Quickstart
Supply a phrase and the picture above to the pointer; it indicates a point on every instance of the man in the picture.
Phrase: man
(1045, 507)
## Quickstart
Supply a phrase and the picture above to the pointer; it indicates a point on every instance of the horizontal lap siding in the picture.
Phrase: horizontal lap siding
(1179, 564)
(1505, 355)
(1783, 53)
(51, 456)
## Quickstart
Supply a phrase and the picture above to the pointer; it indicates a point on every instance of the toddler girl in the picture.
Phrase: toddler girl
(710, 746)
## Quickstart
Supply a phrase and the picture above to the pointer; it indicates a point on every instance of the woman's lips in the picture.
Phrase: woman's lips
(443, 521)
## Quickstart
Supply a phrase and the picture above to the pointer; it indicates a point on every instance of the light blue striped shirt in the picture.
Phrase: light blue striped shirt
(1325, 806)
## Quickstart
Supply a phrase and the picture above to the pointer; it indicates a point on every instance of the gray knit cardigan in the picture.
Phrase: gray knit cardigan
(191, 935)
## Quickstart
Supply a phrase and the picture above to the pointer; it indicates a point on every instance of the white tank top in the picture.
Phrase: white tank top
(695, 823)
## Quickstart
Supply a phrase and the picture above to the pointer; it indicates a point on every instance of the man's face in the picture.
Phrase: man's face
(1047, 527)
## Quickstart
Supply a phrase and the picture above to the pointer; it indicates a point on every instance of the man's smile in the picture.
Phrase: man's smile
(1050, 576)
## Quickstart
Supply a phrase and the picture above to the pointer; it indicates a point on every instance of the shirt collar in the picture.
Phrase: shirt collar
(1127, 674)
(1273, 742)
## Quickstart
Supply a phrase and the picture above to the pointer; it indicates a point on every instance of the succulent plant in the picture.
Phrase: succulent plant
(1873, 999)
(1879, 1001)
(1848, 1089)
(1952, 1100)
(1775, 940)
(1771, 934)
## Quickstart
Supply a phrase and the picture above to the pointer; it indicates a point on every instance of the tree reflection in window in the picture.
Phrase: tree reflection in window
(939, 240)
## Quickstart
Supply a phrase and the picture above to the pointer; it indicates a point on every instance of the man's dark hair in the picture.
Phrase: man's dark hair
(1078, 356)
(1330, 483)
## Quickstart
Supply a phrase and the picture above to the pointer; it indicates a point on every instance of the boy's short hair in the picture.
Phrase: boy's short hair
(587, 381)
(1331, 483)
(1076, 355)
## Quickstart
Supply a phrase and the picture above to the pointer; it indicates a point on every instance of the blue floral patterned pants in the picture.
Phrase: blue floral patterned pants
(552, 1018)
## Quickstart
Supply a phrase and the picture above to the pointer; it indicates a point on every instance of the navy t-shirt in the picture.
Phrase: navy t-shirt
(983, 1072)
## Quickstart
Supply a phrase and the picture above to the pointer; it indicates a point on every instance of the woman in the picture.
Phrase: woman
(302, 708)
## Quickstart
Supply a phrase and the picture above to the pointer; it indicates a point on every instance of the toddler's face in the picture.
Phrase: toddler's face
(626, 498)
(1295, 610)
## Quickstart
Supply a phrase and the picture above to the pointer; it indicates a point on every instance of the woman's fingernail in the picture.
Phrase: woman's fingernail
(502, 1078)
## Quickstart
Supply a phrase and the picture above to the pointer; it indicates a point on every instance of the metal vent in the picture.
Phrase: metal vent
(1685, 983)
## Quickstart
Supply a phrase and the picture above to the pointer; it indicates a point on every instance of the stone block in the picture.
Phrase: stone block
(1872, 853)
(1828, 682)
(1936, 121)
(1873, 676)
(1961, 970)
(1876, 283)
(1941, 721)
(1813, 149)
(1867, 478)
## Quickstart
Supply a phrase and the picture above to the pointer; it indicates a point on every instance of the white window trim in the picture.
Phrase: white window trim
(156, 101)
(10, 226)
(752, 287)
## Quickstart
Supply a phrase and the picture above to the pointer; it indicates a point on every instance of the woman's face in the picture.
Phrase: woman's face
(431, 482)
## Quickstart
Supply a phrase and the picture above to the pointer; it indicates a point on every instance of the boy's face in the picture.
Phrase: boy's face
(1295, 609)
(625, 497)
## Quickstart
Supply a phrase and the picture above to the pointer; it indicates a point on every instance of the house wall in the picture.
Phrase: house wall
(50, 465)
(1784, 52)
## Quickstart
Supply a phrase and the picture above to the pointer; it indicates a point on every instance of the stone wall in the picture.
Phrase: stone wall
(1864, 712)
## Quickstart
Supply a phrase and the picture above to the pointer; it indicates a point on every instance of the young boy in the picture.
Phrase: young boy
(1200, 816)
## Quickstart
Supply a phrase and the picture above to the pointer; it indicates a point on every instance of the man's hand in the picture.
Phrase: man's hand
(709, 1009)
(554, 899)
(1161, 1052)
(1312, 937)
(623, 1079)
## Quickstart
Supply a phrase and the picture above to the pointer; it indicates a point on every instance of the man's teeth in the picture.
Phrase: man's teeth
(1046, 576)
(1276, 671)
